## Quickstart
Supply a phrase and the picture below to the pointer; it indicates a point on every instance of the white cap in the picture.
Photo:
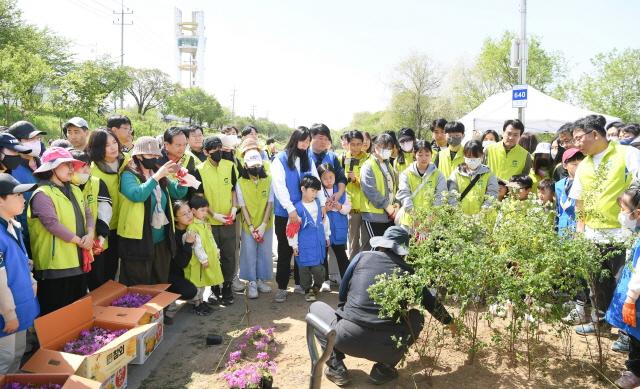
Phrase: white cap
(252, 158)
(229, 141)
(543, 148)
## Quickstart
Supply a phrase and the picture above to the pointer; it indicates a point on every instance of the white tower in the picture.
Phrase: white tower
(190, 44)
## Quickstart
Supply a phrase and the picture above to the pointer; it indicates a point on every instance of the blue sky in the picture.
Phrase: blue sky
(304, 61)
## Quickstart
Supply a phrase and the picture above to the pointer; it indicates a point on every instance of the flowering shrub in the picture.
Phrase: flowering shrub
(91, 340)
(18, 385)
(251, 365)
(132, 300)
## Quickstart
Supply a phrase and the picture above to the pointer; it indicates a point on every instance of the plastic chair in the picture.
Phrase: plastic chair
(314, 323)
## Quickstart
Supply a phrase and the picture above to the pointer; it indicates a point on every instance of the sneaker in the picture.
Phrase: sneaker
(213, 300)
(227, 294)
(628, 380)
(237, 285)
(339, 375)
(201, 310)
(326, 287)
(252, 290)
(310, 296)
(381, 373)
(592, 328)
(210, 307)
(575, 318)
(263, 287)
(281, 296)
(298, 289)
(621, 345)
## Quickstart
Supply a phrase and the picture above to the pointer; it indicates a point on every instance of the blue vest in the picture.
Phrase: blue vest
(566, 218)
(16, 263)
(339, 223)
(312, 244)
(614, 313)
(292, 179)
(24, 175)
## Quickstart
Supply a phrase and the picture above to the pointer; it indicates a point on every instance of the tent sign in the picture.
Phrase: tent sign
(519, 96)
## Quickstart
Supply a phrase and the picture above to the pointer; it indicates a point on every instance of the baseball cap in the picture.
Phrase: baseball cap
(8, 141)
(252, 158)
(9, 185)
(24, 130)
(78, 122)
(570, 153)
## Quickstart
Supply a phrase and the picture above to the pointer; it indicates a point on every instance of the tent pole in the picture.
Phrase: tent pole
(522, 69)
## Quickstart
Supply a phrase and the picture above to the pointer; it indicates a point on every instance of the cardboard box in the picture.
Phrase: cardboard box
(58, 327)
(146, 342)
(66, 380)
(117, 381)
(111, 290)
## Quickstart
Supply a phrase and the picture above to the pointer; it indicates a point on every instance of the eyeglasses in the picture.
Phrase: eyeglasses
(578, 138)
(566, 144)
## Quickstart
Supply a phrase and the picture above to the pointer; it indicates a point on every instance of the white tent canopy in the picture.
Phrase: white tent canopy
(543, 113)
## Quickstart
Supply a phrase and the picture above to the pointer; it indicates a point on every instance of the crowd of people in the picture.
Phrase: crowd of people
(202, 212)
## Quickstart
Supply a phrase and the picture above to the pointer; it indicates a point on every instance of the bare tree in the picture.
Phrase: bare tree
(150, 88)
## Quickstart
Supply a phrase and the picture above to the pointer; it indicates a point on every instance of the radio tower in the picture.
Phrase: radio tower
(190, 45)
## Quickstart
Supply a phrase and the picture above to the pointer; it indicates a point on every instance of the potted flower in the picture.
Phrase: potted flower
(251, 366)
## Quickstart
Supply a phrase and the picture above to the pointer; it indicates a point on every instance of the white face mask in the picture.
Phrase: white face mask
(472, 163)
(407, 146)
(385, 154)
(487, 143)
(554, 154)
(79, 178)
(626, 221)
(35, 146)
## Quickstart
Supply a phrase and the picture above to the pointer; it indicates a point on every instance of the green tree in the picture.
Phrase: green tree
(372, 122)
(150, 88)
(614, 86)
(194, 104)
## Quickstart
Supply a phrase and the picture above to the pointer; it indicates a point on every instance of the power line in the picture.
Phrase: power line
(88, 8)
(122, 23)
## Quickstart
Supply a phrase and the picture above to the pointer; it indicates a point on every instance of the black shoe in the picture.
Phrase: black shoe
(338, 375)
(210, 307)
(213, 300)
(201, 310)
(227, 294)
(381, 373)
(168, 320)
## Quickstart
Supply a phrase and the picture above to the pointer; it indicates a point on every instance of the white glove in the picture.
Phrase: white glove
(262, 229)
(234, 212)
(220, 217)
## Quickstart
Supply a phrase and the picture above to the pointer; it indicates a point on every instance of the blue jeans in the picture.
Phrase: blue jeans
(255, 258)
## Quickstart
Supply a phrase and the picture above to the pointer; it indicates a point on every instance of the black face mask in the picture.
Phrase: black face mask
(150, 163)
(11, 161)
(254, 171)
(216, 156)
(301, 153)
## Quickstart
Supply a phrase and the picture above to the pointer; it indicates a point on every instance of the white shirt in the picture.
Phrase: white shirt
(313, 210)
(279, 185)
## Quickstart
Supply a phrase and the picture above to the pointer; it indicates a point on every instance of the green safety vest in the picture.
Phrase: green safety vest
(447, 165)
(505, 165)
(216, 183)
(50, 252)
(408, 160)
(603, 212)
(472, 202)
(354, 192)
(256, 197)
(420, 200)
(194, 271)
(90, 192)
(131, 220)
(113, 185)
(380, 186)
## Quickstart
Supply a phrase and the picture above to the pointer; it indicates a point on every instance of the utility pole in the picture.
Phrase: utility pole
(253, 112)
(122, 23)
(524, 52)
(233, 103)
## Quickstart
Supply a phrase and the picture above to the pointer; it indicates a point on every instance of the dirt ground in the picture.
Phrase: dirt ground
(189, 363)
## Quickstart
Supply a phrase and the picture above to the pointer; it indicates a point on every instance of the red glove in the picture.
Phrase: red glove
(228, 220)
(292, 229)
(180, 174)
(87, 258)
(97, 247)
(629, 313)
(256, 235)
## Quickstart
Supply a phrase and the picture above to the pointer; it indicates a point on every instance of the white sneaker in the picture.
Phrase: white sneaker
(326, 287)
(263, 287)
(252, 290)
(281, 296)
(298, 289)
(237, 285)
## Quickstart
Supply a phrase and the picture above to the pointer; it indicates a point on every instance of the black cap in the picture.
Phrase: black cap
(9, 185)
(212, 142)
(24, 130)
(406, 133)
(8, 141)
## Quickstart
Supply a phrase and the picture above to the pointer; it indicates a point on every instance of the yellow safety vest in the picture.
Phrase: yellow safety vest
(113, 185)
(505, 165)
(256, 197)
(354, 192)
(447, 165)
(194, 271)
(380, 185)
(131, 220)
(90, 192)
(408, 160)
(424, 198)
(472, 202)
(216, 183)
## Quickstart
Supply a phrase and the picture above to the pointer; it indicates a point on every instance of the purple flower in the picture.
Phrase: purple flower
(262, 356)
(132, 300)
(235, 356)
(92, 340)
(17, 385)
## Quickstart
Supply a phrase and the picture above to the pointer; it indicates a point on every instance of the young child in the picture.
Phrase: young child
(502, 189)
(566, 207)
(623, 308)
(354, 159)
(546, 193)
(204, 268)
(18, 303)
(310, 242)
(472, 181)
(337, 212)
(255, 197)
(520, 186)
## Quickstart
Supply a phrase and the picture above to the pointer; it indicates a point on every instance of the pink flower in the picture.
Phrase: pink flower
(235, 356)
(262, 356)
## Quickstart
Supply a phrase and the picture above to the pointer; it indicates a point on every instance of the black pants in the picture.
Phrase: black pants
(183, 287)
(373, 229)
(633, 360)
(111, 257)
(602, 287)
(153, 271)
(58, 292)
(97, 275)
(340, 250)
(285, 252)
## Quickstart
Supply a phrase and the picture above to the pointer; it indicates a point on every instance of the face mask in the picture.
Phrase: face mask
(35, 146)
(11, 161)
(150, 163)
(407, 147)
(385, 154)
(454, 141)
(554, 154)
(626, 141)
(301, 153)
(79, 178)
(487, 143)
(254, 171)
(626, 221)
(472, 163)
(216, 156)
